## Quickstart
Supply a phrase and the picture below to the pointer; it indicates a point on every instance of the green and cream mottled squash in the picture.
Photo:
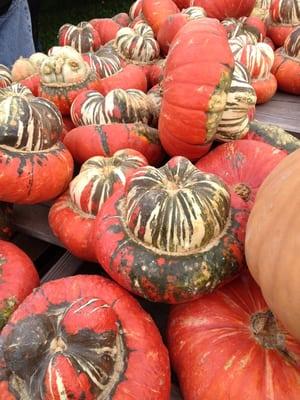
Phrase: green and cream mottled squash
(155, 96)
(241, 98)
(72, 215)
(100, 177)
(137, 44)
(27, 123)
(258, 59)
(105, 64)
(238, 27)
(83, 37)
(118, 105)
(174, 231)
(273, 135)
(239, 42)
(284, 16)
(34, 165)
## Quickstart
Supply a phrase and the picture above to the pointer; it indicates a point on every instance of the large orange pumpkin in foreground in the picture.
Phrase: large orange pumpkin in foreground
(229, 346)
(273, 241)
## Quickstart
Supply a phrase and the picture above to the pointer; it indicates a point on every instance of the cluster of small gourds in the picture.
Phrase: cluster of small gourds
(180, 195)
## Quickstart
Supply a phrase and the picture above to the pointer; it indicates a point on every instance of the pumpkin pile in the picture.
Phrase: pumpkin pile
(139, 131)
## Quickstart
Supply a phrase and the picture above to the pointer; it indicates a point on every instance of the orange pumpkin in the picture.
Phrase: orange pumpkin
(155, 12)
(229, 346)
(197, 79)
(284, 16)
(286, 67)
(273, 241)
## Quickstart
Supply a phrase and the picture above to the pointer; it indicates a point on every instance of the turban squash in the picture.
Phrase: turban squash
(82, 337)
(240, 104)
(273, 241)
(87, 141)
(173, 23)
(18, 278)
(188, 123)
(35, 166)
(118, 105)
(155, 12)
(137, 44)
(65, 74)
(105, 64)
(106, 28)
(228, 343)
(274, 135)
(284, 16)
(286, 67)
(135, 9)
(72, 216)
(258, 59)
(242, 165)
(222, 9)
(172, 234)
(83, 37)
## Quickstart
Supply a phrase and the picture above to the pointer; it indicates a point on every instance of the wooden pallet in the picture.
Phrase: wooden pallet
(283, 110)
(53, 261)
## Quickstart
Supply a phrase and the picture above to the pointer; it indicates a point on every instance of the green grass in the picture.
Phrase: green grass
(54, 13)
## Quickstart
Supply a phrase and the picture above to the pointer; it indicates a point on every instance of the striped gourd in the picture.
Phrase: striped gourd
(118, 105)
(99, 178)
(172, 235)
(292, 44)
(26, 122)
(176, 208)
(155, 96)
(104, 65)
(241, 97)
(137, 44)
(285, 11)
(83, 37)
(239, 42)
(286, 67)
(257, 58)
(135, 9)
(194, 12)
(238, 27)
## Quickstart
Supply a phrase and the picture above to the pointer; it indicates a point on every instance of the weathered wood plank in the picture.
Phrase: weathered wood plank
(282, 110)
(33, 221)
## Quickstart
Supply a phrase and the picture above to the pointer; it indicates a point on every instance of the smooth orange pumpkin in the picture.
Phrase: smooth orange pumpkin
(273, 241)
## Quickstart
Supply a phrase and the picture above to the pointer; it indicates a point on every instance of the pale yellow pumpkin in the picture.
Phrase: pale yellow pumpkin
(273, 241)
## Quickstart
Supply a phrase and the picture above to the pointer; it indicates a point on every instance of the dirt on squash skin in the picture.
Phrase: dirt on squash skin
(6, 310)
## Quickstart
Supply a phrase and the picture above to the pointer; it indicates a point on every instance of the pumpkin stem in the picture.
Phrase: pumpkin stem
(267, 333)
(242, 190)
(58, 345)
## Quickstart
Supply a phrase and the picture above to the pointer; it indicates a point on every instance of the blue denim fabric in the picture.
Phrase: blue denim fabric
(15, 33)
